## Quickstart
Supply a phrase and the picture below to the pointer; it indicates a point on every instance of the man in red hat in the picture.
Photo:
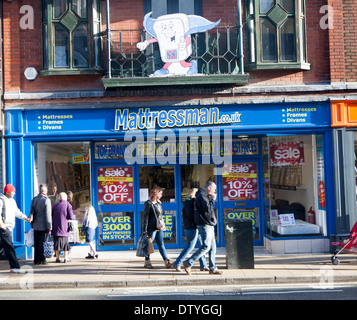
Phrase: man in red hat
(8, 212)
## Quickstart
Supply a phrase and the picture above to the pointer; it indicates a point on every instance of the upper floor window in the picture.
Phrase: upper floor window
(276, 34)
(71, 39)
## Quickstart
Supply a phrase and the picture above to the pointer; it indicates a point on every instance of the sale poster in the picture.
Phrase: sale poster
(115, 185)
(240, 181)
(287, 153)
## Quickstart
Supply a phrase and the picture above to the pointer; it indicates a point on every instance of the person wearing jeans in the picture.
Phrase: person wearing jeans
(205, 220)
(153, 214)
(192, 237)
(157, 235)
(191, 233)
(208, 246)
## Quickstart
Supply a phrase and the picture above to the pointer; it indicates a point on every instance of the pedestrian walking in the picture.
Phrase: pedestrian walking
(61, 213)
(153, 225)
(206, 220)
(9, 210)
(41, 222)
(90, 224)
(191, 232)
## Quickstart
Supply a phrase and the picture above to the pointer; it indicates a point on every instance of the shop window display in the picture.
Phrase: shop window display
(297, 194)
(65, 167)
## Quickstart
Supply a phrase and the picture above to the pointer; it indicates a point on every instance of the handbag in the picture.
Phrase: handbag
(160, 224)
(48, 249)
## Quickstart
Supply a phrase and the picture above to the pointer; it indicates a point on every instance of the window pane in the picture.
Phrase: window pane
(80, 47)
(80, 7)
(59, 7)
(159, 8)
(187, 7)
(64, 167)
(268, 41)
(288, 41)
(265, 5)
(293, 186)
(288, 5)
(61, 46)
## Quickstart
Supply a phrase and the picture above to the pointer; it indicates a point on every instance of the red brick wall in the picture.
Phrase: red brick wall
(337, 43)
(350, 41)
(22, 48)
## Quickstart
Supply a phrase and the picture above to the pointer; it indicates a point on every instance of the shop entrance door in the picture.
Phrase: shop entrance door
(196, 176)
(165, 177)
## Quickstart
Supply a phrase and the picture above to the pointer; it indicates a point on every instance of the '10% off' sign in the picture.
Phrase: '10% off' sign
(240, 181)
(115, 185)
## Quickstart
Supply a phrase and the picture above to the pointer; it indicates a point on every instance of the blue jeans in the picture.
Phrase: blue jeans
(192, 237)
(208, 245)
(158, 235)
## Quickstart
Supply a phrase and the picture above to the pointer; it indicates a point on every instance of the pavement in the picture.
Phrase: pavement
(124, 269)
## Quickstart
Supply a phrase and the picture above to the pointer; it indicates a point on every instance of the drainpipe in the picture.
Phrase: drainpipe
(240, 33)
(109, 63)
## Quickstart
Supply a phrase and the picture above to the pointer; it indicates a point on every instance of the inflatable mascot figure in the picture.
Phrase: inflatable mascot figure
(172, 32)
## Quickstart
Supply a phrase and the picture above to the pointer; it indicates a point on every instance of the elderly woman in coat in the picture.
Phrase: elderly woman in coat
(61, 213)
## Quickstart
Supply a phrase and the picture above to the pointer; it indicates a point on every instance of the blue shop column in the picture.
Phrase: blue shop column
(19, 169)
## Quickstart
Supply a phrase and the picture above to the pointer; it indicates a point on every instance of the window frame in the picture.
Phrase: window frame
(94, 43)
(254, 37)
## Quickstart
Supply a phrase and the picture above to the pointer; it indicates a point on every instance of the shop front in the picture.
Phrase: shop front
(269, 161)
(344, 124)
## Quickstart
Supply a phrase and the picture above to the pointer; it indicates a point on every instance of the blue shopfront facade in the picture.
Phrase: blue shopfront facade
(130, 149)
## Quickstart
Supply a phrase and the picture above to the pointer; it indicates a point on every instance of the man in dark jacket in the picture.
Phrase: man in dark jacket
(41, 214)
(206, 220)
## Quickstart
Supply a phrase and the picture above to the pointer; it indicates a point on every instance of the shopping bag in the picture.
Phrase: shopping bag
(145, 246)
(140, 247)
(150, 248)
(29, 240)
(48, 250)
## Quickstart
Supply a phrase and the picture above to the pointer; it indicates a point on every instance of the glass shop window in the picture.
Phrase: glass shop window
(65, 167)
(297, 186)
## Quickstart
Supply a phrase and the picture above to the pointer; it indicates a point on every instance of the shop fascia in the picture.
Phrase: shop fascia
(163, 146)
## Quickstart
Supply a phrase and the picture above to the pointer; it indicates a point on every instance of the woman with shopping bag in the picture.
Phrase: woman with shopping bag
(154, 226)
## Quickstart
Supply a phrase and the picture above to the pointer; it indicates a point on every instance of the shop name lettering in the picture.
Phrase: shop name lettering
(147, 119)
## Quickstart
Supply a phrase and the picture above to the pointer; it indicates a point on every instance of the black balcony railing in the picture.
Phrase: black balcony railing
(217, 52)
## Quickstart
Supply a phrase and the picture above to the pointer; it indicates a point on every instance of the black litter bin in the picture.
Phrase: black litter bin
(239, 244)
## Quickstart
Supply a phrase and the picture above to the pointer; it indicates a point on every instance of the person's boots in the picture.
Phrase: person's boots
(168, 264)
(148, 264)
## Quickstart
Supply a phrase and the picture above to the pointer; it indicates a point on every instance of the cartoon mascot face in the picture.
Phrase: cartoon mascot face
(172, 32)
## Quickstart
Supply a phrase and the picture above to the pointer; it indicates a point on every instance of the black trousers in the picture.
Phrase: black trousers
(7, 245)
(39, 238)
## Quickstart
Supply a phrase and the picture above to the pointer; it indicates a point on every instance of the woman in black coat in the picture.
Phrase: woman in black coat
(153, 215)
